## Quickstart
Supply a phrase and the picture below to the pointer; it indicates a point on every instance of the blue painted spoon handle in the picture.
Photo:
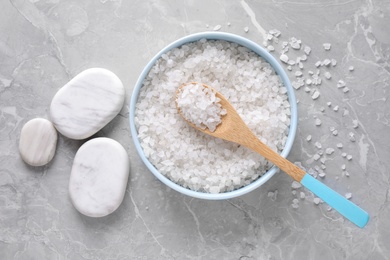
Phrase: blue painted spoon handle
(336, 201)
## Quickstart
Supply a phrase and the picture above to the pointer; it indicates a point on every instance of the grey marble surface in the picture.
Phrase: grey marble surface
(44, 43)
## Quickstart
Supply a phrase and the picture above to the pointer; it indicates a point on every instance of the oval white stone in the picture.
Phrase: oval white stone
(87, 103)
(38, 142)
(99, 177)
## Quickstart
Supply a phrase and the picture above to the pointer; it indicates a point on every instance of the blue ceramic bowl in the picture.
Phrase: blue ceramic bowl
(257, 49)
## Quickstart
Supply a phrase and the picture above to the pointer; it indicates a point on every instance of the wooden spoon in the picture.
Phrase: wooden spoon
(235, 130)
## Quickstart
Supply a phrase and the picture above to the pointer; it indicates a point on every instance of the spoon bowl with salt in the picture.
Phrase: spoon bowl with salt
(216, 117)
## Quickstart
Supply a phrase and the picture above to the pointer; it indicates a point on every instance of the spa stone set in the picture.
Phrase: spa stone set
(101, 166)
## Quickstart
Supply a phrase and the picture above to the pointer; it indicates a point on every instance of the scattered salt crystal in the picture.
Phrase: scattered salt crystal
(352, 137)
(275, 32)
(346, 112)
(303, 57)
(295, 206)
(327, 62)
(322, 109)
(355, 123)
(328, 75)
(307, 89)
(284, 58)
(308, 138)
(341, 83)
(310, 72)
(335, 132)
(293, 192)
(343, 167)
(312, 172)
(322, 174)
(351, 68)
(318, 122)
(302, 195)
(316, 201)
(315, 95)
(323, 160)
(298, 73)
(270, 48)
(270, 37)
(296, 85)
(348, 195)
(307, 50)
(344, 155)
(296, 185)
(329, 208)
(327, 46)
(295, 44)
(291, 62)
(349, 157)
(295, 201)
(318, 63)
(289, 67)
(346, 89)
(270, 194)
(299, 164)
(329, 151)
(334, 62)
(308, 82)
(346, 173)
(228, 24)
(329, 104)
(318, 145)
(316, 157)
(320, 152)
(339, 145)
(300, 65)
(217, 27)
(336, 108)
(246, 29)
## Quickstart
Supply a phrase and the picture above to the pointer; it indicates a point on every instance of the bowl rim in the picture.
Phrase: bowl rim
(279, 71)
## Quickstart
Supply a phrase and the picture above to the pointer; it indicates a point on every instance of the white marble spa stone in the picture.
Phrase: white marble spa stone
(38, 141)
(99, 177)
(87, 103)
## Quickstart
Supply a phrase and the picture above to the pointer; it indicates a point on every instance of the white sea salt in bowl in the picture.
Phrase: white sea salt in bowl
(182, 157)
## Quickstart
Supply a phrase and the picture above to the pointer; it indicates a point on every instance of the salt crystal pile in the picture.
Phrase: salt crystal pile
(189, 157)
(200, 106)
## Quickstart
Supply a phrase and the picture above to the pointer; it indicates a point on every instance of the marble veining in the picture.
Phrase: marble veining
(99, 177)
(44, 44)
(87, 103)
(38, 142)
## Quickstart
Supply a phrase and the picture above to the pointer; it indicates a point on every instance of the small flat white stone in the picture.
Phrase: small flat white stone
(99, 177)
(87, 103)
(38, 142)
